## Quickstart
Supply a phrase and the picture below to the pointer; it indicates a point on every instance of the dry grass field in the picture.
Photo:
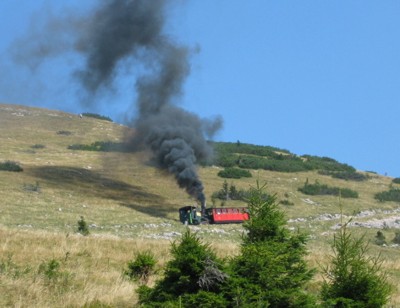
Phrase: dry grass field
(131, 206)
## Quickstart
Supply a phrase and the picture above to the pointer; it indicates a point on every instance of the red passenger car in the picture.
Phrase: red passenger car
(227, 215)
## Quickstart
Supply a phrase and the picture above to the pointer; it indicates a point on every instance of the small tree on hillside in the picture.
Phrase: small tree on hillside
(353, 279)
(194, 274)
(83, 227)
(270, 270)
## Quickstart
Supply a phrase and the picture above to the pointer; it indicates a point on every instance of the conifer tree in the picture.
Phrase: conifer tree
(352, 278)
(194, 274)
(270, 270)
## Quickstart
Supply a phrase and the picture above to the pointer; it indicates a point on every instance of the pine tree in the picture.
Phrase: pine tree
(353, 279)
(194, 272)
(270, 270)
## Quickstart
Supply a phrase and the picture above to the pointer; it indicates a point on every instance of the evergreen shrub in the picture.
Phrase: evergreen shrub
(346, 175)
(96, 116)
(83, 227)
(193, 271)
(380, 238)
(352, 278)
(396, 180)
(323, 189)
(38, 146)
(64, 132)
(234, 173)
(141, 267)
(396, 238)
(10, 166)
(392, 194)
(270, 270)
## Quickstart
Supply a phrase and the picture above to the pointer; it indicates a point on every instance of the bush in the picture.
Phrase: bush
(323, 189)
(392, 194)
(380, 238)
(38, 146)
(193, 268)
(250, 156)
(96, 116)
(229, 192)
(396, 238)
(10, 166)
(283, 164)
(353, 279)
(51, 269)
(64, 132)
(245, 148)
(396, 180)
(234, 173)
(142, 267)
(326, 164)
(83, 227)
(346, 175)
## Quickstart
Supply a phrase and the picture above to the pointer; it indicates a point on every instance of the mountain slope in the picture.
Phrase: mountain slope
(131, 205)
(126, 186)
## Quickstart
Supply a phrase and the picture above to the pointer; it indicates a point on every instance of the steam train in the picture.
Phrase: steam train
(192, 216)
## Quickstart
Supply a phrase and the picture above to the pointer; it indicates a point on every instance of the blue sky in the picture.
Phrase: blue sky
(313, 77)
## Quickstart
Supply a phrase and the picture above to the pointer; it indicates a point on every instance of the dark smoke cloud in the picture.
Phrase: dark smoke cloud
(121, 32)
(117, 30)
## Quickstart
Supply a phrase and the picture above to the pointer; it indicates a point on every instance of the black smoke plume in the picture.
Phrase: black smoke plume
(121, 33)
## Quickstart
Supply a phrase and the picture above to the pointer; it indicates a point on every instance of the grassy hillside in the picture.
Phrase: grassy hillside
(131, 205)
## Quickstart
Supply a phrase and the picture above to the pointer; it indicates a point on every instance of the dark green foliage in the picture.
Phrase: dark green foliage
(346, 175)
(282, 163)
(393, 194)
(326, 163)
(194, 267)
(323, 189)
(352, 279)
(396, 180)
(51, 269)
(245, 148)
(38, 146)
(250, 156)
(396, 238)
(380, 238)
(83, 227)
(10, 166)
(142, 267)
(234, 173)
(266, 221)
(203, 299)
(229, 192)
(96, 116)
(270, 269)
(100, 146)
(226, 160)
(64, 133)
